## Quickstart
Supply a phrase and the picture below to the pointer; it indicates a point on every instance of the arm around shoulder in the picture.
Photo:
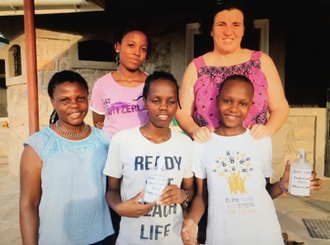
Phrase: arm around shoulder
(277, 104)
(30, 184)
(187, 101)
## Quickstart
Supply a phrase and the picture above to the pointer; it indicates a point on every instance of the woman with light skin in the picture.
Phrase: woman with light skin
(198, 116)
(113, 99)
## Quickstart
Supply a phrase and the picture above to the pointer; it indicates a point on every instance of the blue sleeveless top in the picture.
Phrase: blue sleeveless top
(72, 209)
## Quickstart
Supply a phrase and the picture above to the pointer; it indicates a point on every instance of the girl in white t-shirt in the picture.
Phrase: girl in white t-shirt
(134, 154)
(233, 173)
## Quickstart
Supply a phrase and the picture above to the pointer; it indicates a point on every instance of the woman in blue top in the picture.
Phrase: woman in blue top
(62, 186)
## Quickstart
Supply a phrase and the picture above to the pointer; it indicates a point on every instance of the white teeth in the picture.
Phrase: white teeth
(163, 116)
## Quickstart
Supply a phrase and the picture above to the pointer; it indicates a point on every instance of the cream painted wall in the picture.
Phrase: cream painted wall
(304, 128)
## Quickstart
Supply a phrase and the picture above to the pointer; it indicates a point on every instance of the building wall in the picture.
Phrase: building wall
(53, 55)
(18, 124)
(4, 148)
(305, 128)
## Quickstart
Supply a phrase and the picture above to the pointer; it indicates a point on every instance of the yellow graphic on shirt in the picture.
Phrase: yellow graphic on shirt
(234, 167)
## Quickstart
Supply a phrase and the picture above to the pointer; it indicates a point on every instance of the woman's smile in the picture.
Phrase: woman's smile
(71, 103)
(75, 114)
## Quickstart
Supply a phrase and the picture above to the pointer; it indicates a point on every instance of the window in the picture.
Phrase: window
(15, 68)
(17, 61)
(94, 54)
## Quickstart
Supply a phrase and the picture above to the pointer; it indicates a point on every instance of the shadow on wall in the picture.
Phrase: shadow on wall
(3, 102)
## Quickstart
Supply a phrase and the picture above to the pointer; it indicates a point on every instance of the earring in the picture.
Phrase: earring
(117, 58)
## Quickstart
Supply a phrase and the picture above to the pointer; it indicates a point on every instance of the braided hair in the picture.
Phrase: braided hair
(53, 117)
(59, 78)
(156, 76)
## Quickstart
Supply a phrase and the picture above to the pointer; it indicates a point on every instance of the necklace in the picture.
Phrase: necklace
(70, 134)
(166, 139)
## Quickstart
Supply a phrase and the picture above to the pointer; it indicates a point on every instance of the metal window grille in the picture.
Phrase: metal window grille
(17, 61)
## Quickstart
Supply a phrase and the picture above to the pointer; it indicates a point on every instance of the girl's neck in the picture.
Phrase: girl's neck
(128, 78)
(154, 134)
(224, 131)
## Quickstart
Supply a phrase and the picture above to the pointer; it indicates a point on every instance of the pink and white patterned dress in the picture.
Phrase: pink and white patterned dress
(207, 86)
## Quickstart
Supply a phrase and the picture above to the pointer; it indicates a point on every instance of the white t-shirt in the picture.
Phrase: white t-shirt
(240, 210)
(132, 157)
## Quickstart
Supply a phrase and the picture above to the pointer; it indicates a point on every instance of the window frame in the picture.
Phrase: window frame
(76, 63)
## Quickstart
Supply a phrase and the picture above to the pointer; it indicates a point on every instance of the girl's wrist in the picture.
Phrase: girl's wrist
(284, 191)
(186, 199)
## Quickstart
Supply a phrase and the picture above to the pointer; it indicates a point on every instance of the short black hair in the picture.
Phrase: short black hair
(156, 76)
(65, 76)
(240, 78)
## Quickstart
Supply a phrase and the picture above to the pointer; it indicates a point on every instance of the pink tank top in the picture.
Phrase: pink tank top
(207, 86)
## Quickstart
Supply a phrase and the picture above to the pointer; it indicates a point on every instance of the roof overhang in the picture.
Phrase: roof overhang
(16, 7)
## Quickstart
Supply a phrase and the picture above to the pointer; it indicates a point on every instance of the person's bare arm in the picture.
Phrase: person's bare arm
(30, 184)
(98, 120)
(278, 106)
(173, 194)
(199, 202)
(274, 189)
(130, 208)
(187, 101)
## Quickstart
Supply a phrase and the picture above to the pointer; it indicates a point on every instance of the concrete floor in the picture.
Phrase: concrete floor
(9, 208)
(290, 211)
